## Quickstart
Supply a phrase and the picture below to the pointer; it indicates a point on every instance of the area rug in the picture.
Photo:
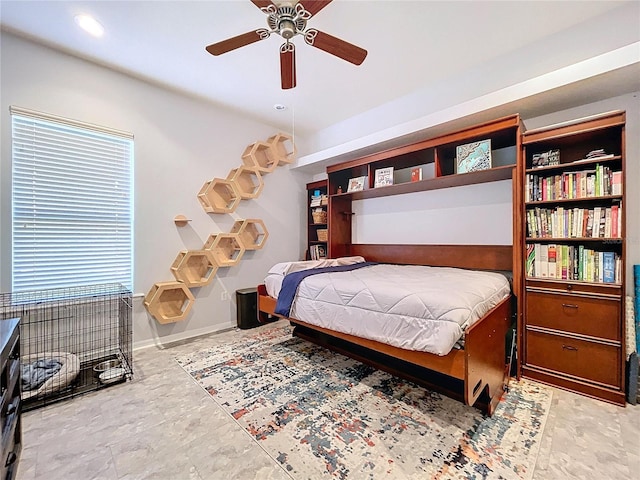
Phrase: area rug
(322, 415)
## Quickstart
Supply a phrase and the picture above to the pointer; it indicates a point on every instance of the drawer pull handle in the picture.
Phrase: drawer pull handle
(570, 305)
(569, 347)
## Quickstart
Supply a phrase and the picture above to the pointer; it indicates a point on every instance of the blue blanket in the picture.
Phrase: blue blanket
(292, 281)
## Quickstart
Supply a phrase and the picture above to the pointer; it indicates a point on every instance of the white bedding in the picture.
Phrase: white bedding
(412, 307)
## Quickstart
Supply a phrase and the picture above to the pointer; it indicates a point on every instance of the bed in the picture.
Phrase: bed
(464, 341)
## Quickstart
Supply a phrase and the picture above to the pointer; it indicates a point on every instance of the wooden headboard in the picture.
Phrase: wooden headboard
(481, 257)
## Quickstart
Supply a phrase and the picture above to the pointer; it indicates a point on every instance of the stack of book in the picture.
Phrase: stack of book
(560, 222)
(573, 262)
(598, 182)
(318, 252)
(316, 200)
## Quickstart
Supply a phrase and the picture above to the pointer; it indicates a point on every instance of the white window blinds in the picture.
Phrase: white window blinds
(72, 203)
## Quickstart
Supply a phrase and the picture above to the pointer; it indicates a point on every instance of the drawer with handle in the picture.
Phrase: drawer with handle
(585, 315)
(593, 361)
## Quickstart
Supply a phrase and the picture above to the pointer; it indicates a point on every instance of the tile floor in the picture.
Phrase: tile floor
(162, 425)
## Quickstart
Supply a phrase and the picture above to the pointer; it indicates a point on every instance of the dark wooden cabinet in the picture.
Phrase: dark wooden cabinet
(10, 404)
(317, 224)
(573, 225)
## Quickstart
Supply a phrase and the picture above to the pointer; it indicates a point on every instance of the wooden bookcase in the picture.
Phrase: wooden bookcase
(313, 225)
(573, 323)
(436, 157)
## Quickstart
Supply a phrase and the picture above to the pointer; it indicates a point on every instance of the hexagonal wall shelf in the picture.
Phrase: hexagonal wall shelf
(284, 147)
(169, 302)
(252, 233)
(219, 196)
(227, 248)
(248, 181)
(195, 268)
(261, 156)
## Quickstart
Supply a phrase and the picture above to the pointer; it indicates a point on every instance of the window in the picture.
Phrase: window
(72, 203)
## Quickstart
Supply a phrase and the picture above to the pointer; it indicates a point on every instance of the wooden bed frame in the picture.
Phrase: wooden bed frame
(480, 366)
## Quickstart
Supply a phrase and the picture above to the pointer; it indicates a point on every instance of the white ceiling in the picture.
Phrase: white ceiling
(411, 45)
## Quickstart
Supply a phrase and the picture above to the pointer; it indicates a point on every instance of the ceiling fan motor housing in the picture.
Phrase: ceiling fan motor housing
(288, 21)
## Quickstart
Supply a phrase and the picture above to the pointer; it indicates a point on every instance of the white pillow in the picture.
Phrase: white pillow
(289, 267)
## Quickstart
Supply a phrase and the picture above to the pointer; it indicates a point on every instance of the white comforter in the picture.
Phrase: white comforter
(411, 307)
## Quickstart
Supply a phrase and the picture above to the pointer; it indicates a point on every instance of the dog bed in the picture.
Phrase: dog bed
(67, 373)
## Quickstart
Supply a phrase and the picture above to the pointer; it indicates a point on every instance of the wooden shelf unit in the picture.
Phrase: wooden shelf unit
(219, 196)
(169, 302)
(227, 248)
(195, 268)
(262, 156)
(283, 146)
(436, 158)
(572, 330)
(252, 233)
(313, 227)
(248, 181)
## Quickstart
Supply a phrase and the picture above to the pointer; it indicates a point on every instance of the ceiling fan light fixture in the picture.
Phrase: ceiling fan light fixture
(287, 29)
(89, 24)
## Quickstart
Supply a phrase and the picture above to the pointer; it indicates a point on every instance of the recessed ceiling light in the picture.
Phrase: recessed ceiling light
(279, 106)
(89, 24)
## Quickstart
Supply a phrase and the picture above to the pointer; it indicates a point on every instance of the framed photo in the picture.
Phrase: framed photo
(384, 176)
(356, 184)
(473, 156)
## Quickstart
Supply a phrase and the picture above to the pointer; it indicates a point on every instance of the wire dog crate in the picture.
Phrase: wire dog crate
(72, 340)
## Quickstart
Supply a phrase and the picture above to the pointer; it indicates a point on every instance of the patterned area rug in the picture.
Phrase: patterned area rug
(323, 415)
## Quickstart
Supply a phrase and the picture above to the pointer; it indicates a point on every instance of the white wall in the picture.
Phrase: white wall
(474, 214)
(180, 142)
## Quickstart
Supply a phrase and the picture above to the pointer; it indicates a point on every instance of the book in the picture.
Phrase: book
(544, 261)
(608, 267)
(530, 260)
(384, 176)
(416, 174)
(551, 258)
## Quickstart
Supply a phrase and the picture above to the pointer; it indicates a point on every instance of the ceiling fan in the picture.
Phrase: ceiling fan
(288, 19)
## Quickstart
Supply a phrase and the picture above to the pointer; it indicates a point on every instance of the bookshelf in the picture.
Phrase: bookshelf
(316, 219)
(573, 244)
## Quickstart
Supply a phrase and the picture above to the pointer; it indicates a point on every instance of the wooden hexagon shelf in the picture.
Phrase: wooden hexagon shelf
(283, 147)
(261, 156)
(227, 248)
(169, 302)
(248, 181)
(219, 196)
(252, 233)
(195, 268)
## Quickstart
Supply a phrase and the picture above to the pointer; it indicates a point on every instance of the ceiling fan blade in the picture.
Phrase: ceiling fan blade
(236, 42)
(335, 46)
(288, 65)
(262, 3)
(314, 6)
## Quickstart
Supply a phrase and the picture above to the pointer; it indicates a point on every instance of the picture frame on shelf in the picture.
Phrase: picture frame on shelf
(384, 177)
(474, 156)
(546, 159)
(356, 184)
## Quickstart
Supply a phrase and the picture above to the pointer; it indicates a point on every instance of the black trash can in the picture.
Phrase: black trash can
(247, 308)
